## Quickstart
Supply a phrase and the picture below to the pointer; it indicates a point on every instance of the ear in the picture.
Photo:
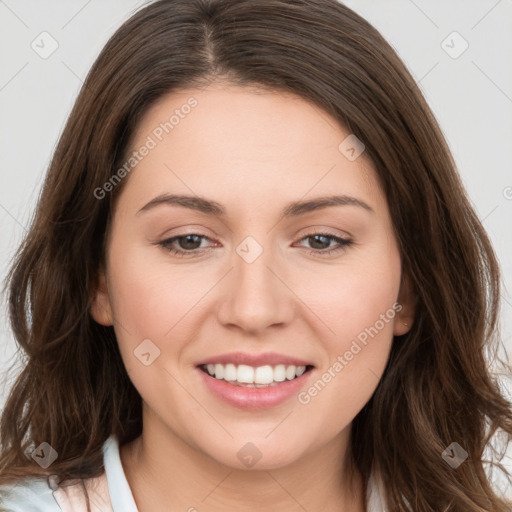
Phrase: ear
(101, 309)
(407, 299)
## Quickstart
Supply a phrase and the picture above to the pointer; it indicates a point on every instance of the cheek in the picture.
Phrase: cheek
(148, 295)
(146, 304)
(360, 308)
(351, 298)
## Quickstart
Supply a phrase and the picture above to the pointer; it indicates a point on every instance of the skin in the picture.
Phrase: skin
(240, 147)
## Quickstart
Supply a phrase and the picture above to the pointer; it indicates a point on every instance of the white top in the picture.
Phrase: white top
(109, 492)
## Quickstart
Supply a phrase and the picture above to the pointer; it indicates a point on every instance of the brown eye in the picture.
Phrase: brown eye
(318, 242)
(184, 245)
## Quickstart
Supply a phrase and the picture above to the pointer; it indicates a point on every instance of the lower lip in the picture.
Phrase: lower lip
(254, 398)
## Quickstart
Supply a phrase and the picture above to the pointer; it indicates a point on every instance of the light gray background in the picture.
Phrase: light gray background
(471, 96)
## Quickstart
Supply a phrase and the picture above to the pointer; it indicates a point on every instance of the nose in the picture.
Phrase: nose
(255, 296)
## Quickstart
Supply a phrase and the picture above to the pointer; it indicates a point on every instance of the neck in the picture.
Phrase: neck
(167, 474)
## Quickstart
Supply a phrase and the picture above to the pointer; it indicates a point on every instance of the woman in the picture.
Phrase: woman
(253, 369)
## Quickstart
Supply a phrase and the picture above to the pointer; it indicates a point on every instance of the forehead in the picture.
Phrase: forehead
(231, 141)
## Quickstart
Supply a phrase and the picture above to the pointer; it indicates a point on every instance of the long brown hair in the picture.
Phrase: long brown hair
(74, 391)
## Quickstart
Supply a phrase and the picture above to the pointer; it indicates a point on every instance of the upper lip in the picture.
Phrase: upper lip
(262, 359)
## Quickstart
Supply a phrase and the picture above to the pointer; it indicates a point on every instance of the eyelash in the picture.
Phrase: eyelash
(343, 244)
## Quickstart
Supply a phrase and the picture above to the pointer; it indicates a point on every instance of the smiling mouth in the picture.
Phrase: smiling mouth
(254, 377)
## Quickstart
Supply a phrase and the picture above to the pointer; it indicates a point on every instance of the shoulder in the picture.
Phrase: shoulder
(37, 494)
(31, 494)
(42, 494)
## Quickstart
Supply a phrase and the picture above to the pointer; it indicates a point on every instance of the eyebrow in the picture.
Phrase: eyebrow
(292, 209)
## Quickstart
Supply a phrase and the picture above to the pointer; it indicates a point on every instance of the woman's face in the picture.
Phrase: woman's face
(254, 279)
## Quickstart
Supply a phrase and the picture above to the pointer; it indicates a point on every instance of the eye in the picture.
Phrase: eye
(189, 245)
(322, 238)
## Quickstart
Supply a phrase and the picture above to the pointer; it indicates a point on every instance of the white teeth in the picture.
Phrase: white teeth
(264, 375)
(230, 372)
(244, 373)
(300, 370)
(279, 373)
(260, 376)
(290, 372)
(219, 371)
